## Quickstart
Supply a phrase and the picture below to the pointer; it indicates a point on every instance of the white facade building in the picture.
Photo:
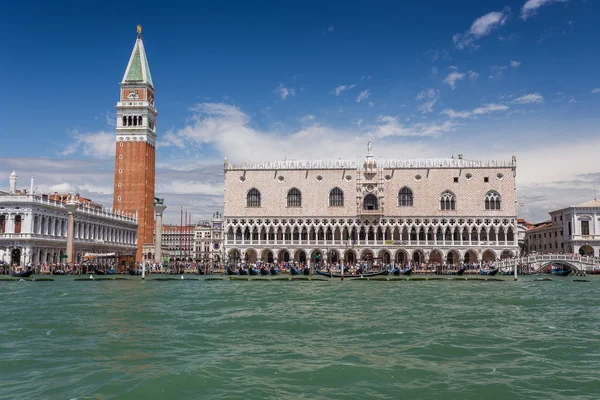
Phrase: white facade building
(208, 240)
(572, 230)
(33, 228)
(443, 211)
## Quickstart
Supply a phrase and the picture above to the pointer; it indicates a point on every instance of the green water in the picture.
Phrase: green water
(201, 339)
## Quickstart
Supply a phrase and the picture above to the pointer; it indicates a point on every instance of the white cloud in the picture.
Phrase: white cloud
(481, 27)
(596, 91)
(531, 98)
(485, 109)
(308, 118)
(92, 144)
(391, 126)
(371, 104)
(434, 70)
(284, 92)
(363, 96)
(531, 7)
(340, 89)
(473, 75)
(515, 64)
(430, 96)
(330, 28)
(453, 77)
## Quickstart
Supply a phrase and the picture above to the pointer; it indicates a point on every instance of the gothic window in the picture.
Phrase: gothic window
(492, 201)
(294, 198)
(447, 201)
(405, 197)
(253, 198)
(370, 202)
(336, 198)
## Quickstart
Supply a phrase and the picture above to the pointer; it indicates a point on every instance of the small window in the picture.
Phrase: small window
(486, 179)
(119, 184)
(319, 178)
(120, 156)
(500, 176)
(242, 178)
(417, 177)
(120, 171)
(348, 178)
(468, 176)
(280, 178)
(121, 144)
(456, 179)
(119, 198)
(405, 197)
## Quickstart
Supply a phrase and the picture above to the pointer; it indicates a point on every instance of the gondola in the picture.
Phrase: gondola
(98, 272)
(350, 276)
(488, 272)
(243, 271)
(398, 272)
(58, 272)
(461, 271)
(22, 274)
(306, 271)
(264, 271)
(274, 271)
(295, 271)
(230, 271)
(253, 271)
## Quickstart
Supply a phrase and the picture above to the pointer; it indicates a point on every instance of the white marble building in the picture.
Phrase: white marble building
(374, 210)
(573, 230)
(208, 240)
(33, 228)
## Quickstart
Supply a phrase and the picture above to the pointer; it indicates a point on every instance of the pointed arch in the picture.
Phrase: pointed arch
(294, 198)
(492, 200)
(336, 197)
(447, 201)
(405, 197)
(370, 202)
(253, 198)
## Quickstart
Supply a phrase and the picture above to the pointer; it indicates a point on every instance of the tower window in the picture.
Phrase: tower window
(124, 121)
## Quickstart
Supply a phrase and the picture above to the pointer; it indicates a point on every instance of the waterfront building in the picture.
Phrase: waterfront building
(135, 145)
(201, 242)
(208, 240)
(572, 230)
(33, 228)
(443, 211)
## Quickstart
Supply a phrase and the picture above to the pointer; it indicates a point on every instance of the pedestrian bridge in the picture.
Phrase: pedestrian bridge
(536, 263)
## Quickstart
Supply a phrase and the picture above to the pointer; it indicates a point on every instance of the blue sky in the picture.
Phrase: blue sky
(305, 79)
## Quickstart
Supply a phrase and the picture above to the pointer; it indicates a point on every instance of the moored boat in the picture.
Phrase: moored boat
(99, 272)
(306, 271)
(243, 271)
(230, 271)
(264, 271)
(22, 274)
(253, 271)
(489, 272)
(350, 276)
(295, 271)
(134, 272)
(274, 271)
(560, 271)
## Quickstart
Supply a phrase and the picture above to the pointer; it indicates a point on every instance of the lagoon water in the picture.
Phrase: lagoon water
(134, 339)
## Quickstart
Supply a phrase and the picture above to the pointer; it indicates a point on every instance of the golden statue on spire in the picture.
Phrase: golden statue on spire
(139, 30)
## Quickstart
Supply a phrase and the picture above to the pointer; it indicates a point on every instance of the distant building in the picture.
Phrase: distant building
(33, 228)
(573, 230)
(208, 240)
(372, 210)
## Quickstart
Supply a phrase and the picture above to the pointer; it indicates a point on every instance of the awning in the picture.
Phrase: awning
(99, 255)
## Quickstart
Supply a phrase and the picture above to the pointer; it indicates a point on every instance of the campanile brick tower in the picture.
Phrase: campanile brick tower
(136, 138)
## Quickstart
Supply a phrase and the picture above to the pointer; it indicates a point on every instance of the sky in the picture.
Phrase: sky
(263, 81)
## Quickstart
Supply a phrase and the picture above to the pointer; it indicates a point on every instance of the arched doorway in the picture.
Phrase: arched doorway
(418, 257)
(384, 257)
(435, 257)
(267, 256)
(251, 256)
(300, 256)
(349, 257)
(488, 256)
(234, 256)
(316, 257)
(471, 257)
(586, 250)
(284, 256)
(333, 257)
(15, 256)
(401, 257)
(506, 254)
(367, 256)
(452, 258)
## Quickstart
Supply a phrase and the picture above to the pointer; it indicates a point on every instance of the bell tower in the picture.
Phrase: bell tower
(135, 144)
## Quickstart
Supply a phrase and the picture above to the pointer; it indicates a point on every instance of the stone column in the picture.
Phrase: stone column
(72, 206)
(158, 209)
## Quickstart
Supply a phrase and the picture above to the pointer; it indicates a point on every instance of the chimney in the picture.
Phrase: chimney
(460, 156)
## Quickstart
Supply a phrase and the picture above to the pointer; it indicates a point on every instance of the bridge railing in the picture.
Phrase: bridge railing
(542, 258)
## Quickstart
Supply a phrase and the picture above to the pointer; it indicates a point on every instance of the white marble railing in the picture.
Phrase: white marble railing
(389, 164)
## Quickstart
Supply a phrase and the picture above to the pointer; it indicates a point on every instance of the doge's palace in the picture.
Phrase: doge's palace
(442, 211)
